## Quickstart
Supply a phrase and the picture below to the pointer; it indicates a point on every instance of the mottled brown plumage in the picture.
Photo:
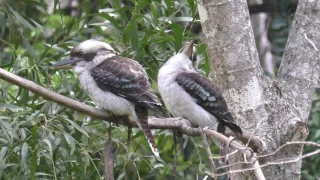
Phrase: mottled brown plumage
(117, 84)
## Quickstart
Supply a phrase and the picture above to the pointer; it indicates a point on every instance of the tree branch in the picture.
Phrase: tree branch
(276, 162)
(64, 101)
(180, 124)
(299, 71)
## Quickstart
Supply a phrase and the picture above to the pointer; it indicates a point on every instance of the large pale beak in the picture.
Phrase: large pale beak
(188, 49)
(65, 64)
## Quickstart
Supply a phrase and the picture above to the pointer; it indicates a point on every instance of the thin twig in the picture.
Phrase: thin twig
(235, 145)
(271, 163)
(273, 153)
(207, 147)
(290, 143)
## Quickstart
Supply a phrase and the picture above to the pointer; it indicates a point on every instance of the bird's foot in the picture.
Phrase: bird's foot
(224, 151)
(230, 139)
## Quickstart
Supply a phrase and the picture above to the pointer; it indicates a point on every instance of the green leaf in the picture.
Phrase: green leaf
(111, 19)
(24, 97)
(24, 154)
(177, 35)
(3, 22)
(65, 82)
(30, 49)
(140, 5)
(192, 7)
(7, 133)
(43, 174)
(38, 25)
(70, 141)
(132, 32)
(11, 107)
(78, 127)
(3, 141)
(49, 147)
(55, 47)
(3, 153)
(22, 20)
(4, 166)
(168, 4)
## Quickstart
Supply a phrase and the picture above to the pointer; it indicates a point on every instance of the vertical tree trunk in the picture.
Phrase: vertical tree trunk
(277, 111)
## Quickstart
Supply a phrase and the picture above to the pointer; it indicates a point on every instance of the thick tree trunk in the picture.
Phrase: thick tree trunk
(277, 111)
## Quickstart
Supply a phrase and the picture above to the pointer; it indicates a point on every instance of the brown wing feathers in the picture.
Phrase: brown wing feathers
(208, 97)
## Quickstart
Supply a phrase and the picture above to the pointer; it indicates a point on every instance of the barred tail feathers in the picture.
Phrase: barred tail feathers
(142, 121)
(235, 128)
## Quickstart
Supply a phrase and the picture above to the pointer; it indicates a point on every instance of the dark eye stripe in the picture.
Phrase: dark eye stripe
(194, 57)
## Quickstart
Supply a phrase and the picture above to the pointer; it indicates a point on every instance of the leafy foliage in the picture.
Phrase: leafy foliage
(41, 139)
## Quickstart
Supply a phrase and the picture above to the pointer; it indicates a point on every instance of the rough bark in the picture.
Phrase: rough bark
(277, 111)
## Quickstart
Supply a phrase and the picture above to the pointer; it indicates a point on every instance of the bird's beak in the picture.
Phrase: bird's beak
(188, 49)
(64, 64)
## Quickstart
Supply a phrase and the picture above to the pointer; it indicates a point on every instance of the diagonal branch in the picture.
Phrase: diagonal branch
(180, 124)
(299, 71)
(62, 100)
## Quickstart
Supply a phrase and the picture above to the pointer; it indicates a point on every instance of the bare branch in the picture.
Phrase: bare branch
(246, 151)
(289, 143)
(279, 162)
(207, 147)
(180, 124)
(62, 100)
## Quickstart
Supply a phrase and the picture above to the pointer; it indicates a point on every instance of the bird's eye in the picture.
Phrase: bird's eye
(80, 55)
(194, 58)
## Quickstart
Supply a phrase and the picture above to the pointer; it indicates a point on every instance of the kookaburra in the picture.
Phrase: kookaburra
(190, 95)
(116, 84)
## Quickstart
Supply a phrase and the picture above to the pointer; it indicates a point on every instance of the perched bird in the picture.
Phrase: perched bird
(116, 84)
(190, 95)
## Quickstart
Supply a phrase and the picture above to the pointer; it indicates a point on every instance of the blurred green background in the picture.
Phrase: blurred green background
(43, 140)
